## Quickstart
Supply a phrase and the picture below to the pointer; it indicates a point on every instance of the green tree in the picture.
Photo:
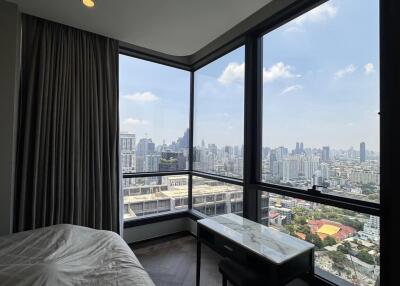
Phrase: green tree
(329, 240)
(317, 241)
(363, 255)
(338, 259)
(314, 239)
(301, 220)
(343, 249)
(290, 229)
(354, 223)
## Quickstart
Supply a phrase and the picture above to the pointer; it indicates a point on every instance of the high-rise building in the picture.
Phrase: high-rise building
(172, 161)
(325, 154)
(325, 171)
(127, 143)
(362, 152)
(151, 162)
(371, 229)
(311, 165)
(183, 142)
(272, 159)
(144, 147)
(281, 152)
(290, 168)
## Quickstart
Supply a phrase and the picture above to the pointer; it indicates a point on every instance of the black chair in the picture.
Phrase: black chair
(239, 275)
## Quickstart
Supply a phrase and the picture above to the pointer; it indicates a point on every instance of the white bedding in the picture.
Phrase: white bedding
(69, 255)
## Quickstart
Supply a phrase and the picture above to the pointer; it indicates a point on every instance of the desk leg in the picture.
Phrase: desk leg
(312, 262)
(198, 262)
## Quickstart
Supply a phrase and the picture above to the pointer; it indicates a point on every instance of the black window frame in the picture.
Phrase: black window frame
(251, 181)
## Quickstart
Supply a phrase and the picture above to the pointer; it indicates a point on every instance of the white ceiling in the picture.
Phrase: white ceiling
(174, 27)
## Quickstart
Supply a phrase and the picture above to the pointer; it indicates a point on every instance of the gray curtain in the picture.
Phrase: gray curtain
(67, 149)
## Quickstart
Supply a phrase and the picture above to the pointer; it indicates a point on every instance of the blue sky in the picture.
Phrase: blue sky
(321, 86)
(154, 100)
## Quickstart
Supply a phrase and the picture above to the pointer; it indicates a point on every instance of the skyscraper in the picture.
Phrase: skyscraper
(144, 147)
(290, 169)
(272, 159)
(171, 161)
(311, 165)
(362, 152)
(325, 154)
(128, 156)
(183, 142)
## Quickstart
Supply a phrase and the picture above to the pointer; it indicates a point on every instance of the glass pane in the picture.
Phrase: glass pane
(347, 242)
(153, 195)
(154, 116)
(321, 101)
(212, 197)
(218, 117)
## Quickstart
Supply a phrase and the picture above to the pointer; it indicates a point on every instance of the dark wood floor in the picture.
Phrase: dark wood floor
(172, 262)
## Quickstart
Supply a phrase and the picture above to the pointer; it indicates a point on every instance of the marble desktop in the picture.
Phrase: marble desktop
(274, 245)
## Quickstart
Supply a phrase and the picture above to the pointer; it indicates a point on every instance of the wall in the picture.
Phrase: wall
(158, 229)
(10, 33)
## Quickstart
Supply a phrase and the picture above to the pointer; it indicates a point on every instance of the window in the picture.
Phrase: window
(154, 116)
(321, 101)
(154, 136)
(347, 242)
(152, 195)
(212, 197)
(218, 118)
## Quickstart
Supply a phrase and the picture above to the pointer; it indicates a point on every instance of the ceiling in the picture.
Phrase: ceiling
(173, 27)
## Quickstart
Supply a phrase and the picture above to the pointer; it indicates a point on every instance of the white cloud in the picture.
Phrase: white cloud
(234, 72)
(345, 71)
(292, 88)
(146, 96)
(130, 122)
(350, 124)
(321, 13)
(278, 70)
(293, 29)
(223, 114)
(369, 68)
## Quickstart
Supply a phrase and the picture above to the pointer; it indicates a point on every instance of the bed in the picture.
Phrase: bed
(69, 255)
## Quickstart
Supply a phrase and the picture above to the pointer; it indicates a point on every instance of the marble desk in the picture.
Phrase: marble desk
(282, 256)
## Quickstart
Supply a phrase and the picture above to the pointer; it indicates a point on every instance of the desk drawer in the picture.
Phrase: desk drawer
(231, 249)
(222, 245)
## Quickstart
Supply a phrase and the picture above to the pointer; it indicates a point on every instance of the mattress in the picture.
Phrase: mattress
(69, 255)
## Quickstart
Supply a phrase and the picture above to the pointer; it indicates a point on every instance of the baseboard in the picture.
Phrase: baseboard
(159, 239)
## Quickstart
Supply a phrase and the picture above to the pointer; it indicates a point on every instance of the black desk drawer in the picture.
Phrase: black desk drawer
(222, 245)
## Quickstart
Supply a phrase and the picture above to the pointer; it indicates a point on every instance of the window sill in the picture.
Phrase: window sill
(155, 218)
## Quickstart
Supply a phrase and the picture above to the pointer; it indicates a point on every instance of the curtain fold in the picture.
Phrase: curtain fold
(67, 148)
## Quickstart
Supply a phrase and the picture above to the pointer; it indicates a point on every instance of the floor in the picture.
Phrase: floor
(172, 262)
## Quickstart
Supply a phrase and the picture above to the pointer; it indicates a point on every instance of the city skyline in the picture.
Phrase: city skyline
(270, 147)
